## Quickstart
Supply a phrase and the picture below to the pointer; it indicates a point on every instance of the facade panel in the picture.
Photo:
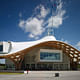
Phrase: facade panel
(47, 55)
(32, 59)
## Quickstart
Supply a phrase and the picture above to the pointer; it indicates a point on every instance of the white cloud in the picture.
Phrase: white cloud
(35, 25)
(56, 20)
(21, 23)
(31, 35)
(65, 41)
(43, 11)
(78, 45)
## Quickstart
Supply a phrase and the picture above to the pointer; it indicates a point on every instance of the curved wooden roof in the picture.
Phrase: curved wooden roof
(73, 53)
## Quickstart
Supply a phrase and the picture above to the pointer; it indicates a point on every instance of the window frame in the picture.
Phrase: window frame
(51, 52)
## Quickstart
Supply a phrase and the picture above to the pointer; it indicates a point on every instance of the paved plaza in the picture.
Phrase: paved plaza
(44, 75)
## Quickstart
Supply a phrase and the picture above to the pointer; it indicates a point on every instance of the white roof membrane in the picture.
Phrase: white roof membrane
(18, 46)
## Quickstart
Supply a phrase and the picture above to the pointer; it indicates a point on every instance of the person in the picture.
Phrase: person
(27, 71)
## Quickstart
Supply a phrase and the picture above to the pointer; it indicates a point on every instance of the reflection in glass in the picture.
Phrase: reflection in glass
(49, 56)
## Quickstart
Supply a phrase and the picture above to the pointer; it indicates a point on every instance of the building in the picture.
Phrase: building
(44, 54)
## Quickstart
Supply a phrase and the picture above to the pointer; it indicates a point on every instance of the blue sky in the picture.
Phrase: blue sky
(16, 17)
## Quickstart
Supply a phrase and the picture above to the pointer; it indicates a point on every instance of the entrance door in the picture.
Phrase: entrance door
(50, 66)
(27, 66)
(33, 66)
(73, 66)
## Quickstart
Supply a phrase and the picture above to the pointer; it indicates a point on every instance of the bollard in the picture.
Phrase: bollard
(27, 71)
(56, 74)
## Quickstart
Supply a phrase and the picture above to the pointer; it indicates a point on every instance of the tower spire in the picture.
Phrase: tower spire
(50, 29)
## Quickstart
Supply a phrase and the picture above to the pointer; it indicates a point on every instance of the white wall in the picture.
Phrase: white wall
(6, 47)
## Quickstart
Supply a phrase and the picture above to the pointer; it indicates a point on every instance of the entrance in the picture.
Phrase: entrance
(43, 66)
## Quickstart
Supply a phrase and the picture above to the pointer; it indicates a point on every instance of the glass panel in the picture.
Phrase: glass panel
(1, 47)
(2, 61)
(49, 56)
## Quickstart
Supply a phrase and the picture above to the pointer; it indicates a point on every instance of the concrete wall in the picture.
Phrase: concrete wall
(33, 57)
(9, 64)
(6, 47)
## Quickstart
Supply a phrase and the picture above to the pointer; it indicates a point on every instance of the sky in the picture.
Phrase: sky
(28, 20)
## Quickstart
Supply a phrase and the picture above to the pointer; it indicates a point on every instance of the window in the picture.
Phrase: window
(1, 47)
(2, 61)
(50, 56)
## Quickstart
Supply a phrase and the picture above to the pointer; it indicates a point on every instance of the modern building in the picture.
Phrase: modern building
(44, 54)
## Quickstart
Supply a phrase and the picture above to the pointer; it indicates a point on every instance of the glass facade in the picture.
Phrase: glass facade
(49, 56)
(1, 47)
(2, 61)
